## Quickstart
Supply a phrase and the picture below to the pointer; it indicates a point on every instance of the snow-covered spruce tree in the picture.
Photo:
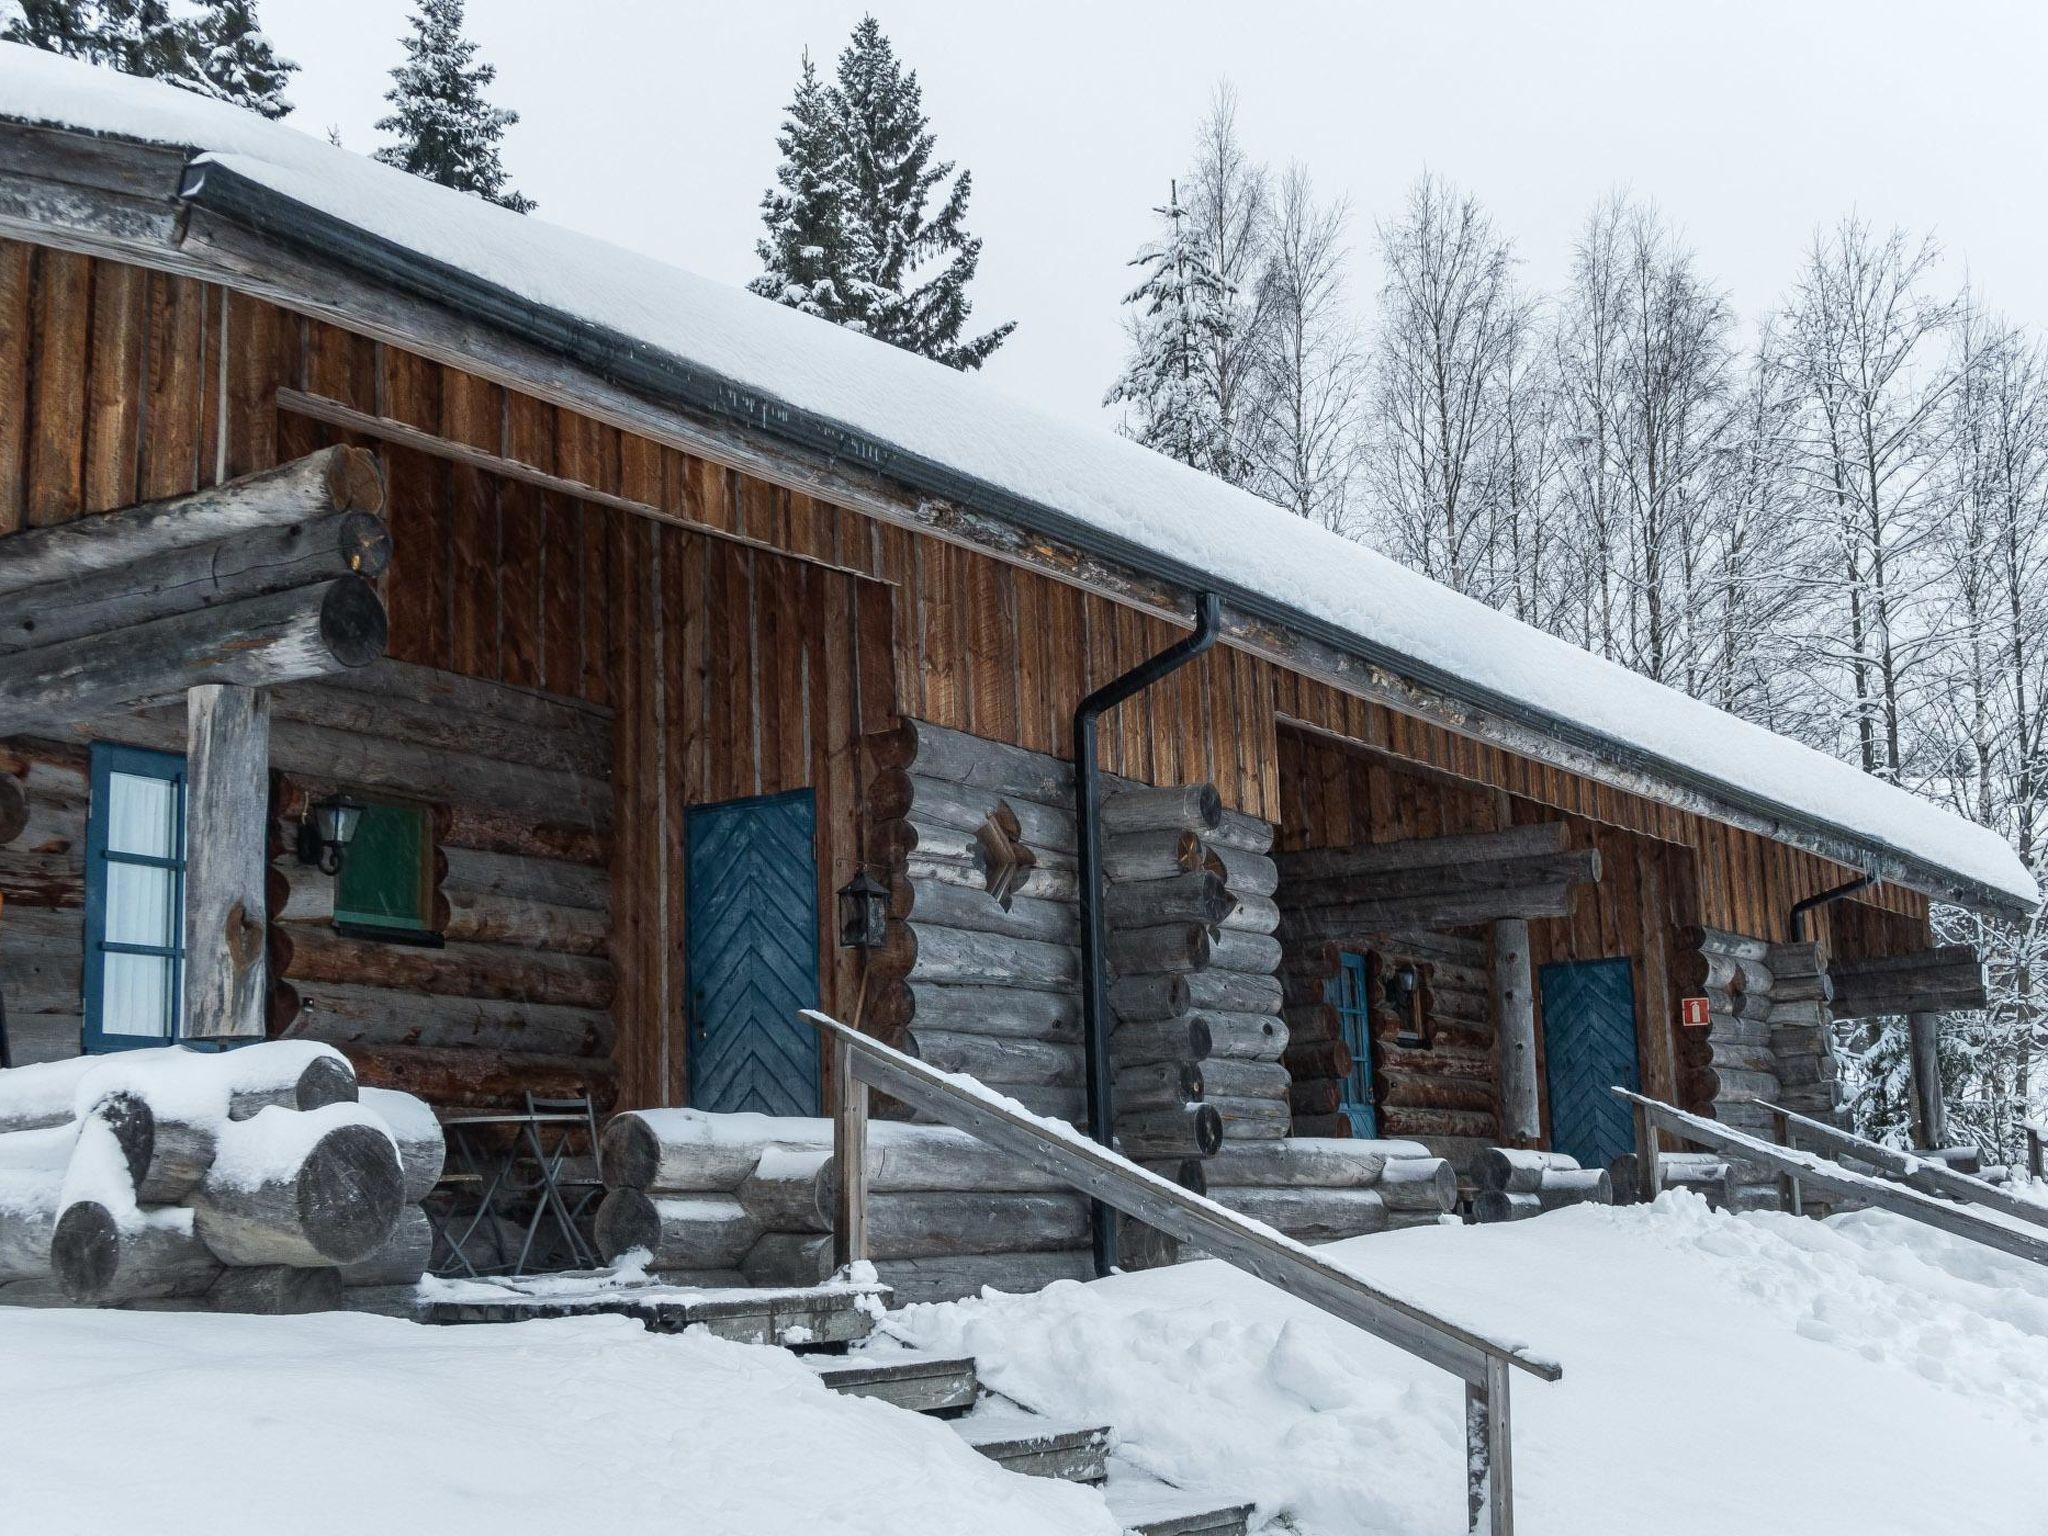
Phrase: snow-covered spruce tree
(219, 50)
(447, 132)
(804, 251)
(1167, 390)
(232, 59)
(852, 235)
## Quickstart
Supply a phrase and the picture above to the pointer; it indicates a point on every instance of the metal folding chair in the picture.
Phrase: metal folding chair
(559, 1192)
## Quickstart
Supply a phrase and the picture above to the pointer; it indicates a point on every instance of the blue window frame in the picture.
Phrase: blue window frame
(1350, 992)
(134, 898)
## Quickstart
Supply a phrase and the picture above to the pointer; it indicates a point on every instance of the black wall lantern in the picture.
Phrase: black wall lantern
(1403, 986)
(327, 830)
(863, 911)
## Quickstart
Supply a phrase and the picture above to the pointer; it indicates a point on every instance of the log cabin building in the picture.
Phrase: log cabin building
(632, 619)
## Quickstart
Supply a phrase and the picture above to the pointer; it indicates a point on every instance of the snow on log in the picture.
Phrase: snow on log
(305, 1188)
(179, 1083)
(685, 1150)
(695, 1231)
(791, 1189)
(1516, 1170)
(422, 1147)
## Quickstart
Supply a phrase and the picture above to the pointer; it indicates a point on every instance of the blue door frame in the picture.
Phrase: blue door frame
(1589, 1047)
(752, 954)
(1349, 992)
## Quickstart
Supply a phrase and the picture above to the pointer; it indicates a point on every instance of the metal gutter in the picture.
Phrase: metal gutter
(630, 364)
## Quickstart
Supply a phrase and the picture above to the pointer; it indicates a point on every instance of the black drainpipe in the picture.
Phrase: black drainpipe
(1796, 918)
(1094, 922)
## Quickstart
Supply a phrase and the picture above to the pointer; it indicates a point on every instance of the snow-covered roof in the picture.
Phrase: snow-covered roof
(966, 432)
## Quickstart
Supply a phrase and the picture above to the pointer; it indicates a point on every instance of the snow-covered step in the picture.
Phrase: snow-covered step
(796, 1317)
(1144, 1506)
(1037, 1447)
(908, 1378)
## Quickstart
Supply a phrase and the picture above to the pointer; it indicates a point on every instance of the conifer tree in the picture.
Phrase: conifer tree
(219, 52)
(233, 59)
(1178, 312)
(851, 232)
(804, 250)
(447, 132)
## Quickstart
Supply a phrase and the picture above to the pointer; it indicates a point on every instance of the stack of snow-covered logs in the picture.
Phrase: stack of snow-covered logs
(1321, 1189)
(981, 971)
(743, 1200)
(1707, 1174)
(245, 1180)
(1515, 1183)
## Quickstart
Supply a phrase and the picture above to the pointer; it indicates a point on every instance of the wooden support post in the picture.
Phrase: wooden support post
(1646, 1155)
(1489, 1462)
(2034, 1159)
(850, 1154)
(1791, 1199)
(227, 813)
(1514, 1012)
(1930, 1114)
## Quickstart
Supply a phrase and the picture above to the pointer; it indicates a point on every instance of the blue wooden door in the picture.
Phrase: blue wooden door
(1589, 1046)
(1347, 992)
(752, 916)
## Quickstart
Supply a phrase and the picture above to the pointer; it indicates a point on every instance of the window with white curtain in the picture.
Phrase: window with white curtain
(134, 898)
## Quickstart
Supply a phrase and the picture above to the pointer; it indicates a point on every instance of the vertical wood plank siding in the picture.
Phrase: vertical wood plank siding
(735, 671)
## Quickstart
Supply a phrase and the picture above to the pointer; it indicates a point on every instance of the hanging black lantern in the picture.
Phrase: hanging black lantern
(863, 912)
(1403, 987)
(327, 831)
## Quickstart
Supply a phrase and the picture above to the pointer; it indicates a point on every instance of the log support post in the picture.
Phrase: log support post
(850, 1154)
(1930, 1114)
(1489, 1464)
(1647, 1177)
(226, 817)
(2035, 1160)
(1514, 1012)
(1791, 1198)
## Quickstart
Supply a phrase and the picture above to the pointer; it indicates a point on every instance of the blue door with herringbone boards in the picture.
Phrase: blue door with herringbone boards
(752, 915)
(1589, 1046)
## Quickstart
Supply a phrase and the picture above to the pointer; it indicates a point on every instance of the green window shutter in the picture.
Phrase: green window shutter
(386, 870)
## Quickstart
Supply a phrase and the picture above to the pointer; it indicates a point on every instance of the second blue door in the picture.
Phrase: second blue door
(1589, 1047)
(752, 915)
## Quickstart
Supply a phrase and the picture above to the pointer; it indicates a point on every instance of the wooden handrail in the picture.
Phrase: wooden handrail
(1799, 1170)
(1928, 1175)
(860, 1063)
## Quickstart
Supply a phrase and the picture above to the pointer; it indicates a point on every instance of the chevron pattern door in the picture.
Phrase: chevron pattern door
(752, 915)
(1589, 1046)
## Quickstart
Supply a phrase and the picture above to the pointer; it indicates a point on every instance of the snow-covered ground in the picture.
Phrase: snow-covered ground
(1722, 1374)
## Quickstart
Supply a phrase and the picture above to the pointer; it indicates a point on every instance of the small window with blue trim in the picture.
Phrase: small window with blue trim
(134, 898)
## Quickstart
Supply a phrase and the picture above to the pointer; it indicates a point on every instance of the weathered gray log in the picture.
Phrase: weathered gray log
(698, 1231)
(97, 1258)
(1242, 833)
(1235, 1078)
(316, 952)
(1798, 989)
(1720, 942)
(422, 1146)
(995, 1011)
(331, 1203)
(1492, 1205)
(1158, 1084)
(1168, 949)
(1310, 1215)
(1179, 807)
(336, 479)
(294, 1076)
(1244, 1036)
(1517, 1170)
(1040, 882)
(166, 1156)
(344, 1015)
(1419, 1184)
(924, 1157)
(1514, 1019)
(1787, 960)
(1931, 994)
(1195, 898)
(277, 1290)
(204, 576)
(1253, 914)
(1575, 1186)
(957, 906)
(958, 956)
(1942, 957)
(1245, 952)
(487, 918)
(791, 1189)
(226, 977)
(1254, 1119)
(949, 1224)
(1703, 1173)
(1161, 854)
(1149, 998)
(1315, 1162)
(788, 1258)
(934, 751)
(1183, 1039)
(949, 1279)
(401, 1258)
(967, 808)
(551, 882)
(674, 1150)
(32, 1167)
(1572, 867)
(1001, 1059)
(1814, 1014)
(1196, 1131)
(1246, 872)
(1533, 841)
(1461, 909)
(253, 643)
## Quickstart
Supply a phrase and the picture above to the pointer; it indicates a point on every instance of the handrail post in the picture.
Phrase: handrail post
(2034, 1159)
(1791, 1198)
(850, 1155)
(1647, 1173)
(1489, 1459)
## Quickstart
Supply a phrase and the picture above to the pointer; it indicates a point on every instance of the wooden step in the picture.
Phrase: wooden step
(1024, 1442)
(794, 1316)
(1146, 1507)
(923, 1383)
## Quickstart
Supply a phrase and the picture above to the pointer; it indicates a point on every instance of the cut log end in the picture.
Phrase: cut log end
(353, 623)
(350, 1192)
(85, 1253)
(354, 481)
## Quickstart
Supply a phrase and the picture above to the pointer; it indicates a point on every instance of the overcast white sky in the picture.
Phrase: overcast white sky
(653, 124)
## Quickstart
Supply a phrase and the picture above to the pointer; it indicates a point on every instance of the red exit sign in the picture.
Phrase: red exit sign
(1693, 1013)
